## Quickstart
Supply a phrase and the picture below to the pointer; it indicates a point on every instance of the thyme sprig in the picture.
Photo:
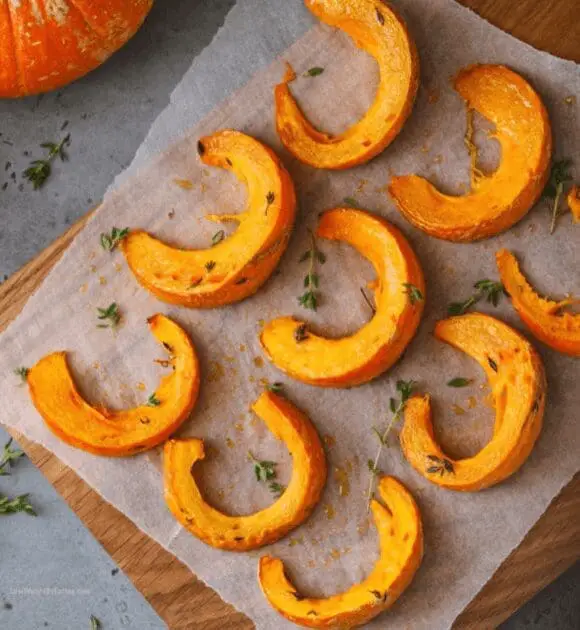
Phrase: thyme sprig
(153, 401)
(110, 314)
(17, 504)
(22, 372)
(405, 389)
(9, 456)
(414, 293)
(95, 623)
(555, 187)
(309, 299)
(40, 170)
(488, 289)
(110, 241)
(265, 471)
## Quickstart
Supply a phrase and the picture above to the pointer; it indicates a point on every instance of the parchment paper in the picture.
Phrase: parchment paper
(467, 535)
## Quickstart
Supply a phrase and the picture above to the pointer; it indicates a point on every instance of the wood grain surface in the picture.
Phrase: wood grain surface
(184, 602)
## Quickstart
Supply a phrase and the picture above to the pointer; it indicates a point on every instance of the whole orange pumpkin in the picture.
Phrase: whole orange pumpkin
(45, 44)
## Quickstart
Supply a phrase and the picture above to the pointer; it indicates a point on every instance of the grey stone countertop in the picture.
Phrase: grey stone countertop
(53, 574)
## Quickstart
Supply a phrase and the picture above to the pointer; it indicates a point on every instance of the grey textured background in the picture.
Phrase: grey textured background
(109, 114)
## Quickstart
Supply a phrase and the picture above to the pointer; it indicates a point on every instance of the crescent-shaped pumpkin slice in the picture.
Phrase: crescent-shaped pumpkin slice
(544, 317)
(501, 199)
(242, 533)
(518, 385)
(574, 202)
(118, 433)
(401, 550)
(236, 267)
(370, 351)
(378, 30)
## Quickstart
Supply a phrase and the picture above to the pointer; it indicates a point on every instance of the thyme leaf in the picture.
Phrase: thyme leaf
(40, 170)
(110, 241)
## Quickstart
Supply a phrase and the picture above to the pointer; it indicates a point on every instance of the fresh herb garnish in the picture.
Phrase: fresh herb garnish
(314, 72)
(492, 364)
(9, 456)
(218, 237)
(413, 292)
(459, 382)
(439, 465)
(153, 401)
(310, 297)
(555, 187)
(39, 170)
(18, 504)
(110, 241)
(488, 289)
(351, 201)
(95, 623)
(277, 489)
(265, 471)
(405, 389)
(111, 313)
(209, 265)
(275, 388)
(22, 372)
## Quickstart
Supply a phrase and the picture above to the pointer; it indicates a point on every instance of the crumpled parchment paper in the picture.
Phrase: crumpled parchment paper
(467, 535)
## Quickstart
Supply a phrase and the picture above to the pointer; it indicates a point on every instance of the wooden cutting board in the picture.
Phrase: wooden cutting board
(184, 602)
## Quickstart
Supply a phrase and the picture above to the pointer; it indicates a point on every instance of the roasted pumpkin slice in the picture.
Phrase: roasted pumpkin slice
(495, 201)
(236, 267)
(118, 433)
(518, 385)
(544, 317)
(399, 297)
(401, 551)
(574, 202)
(242, 533)
(378, 30)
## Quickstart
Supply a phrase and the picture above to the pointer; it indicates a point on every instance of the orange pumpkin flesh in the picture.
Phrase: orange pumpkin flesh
(559, 330)
(236, 267)
(242, 533)
(45, 44)
(401, 551)
(501, 199)
(370, 351)
(375, 28)
(118, 433)
(574, 202)
(518, 383)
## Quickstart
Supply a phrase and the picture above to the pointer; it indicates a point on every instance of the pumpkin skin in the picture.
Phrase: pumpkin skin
(374, 348)
(498, 201)
(574, 202)
(118, 433)
(242, 533)
(236, 267)
(560, 331)
(401, 550)
(378, 30)
(519, 391)
(46, 44)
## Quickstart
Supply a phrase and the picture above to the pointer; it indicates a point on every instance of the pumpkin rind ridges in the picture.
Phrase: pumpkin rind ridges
(56, 42)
